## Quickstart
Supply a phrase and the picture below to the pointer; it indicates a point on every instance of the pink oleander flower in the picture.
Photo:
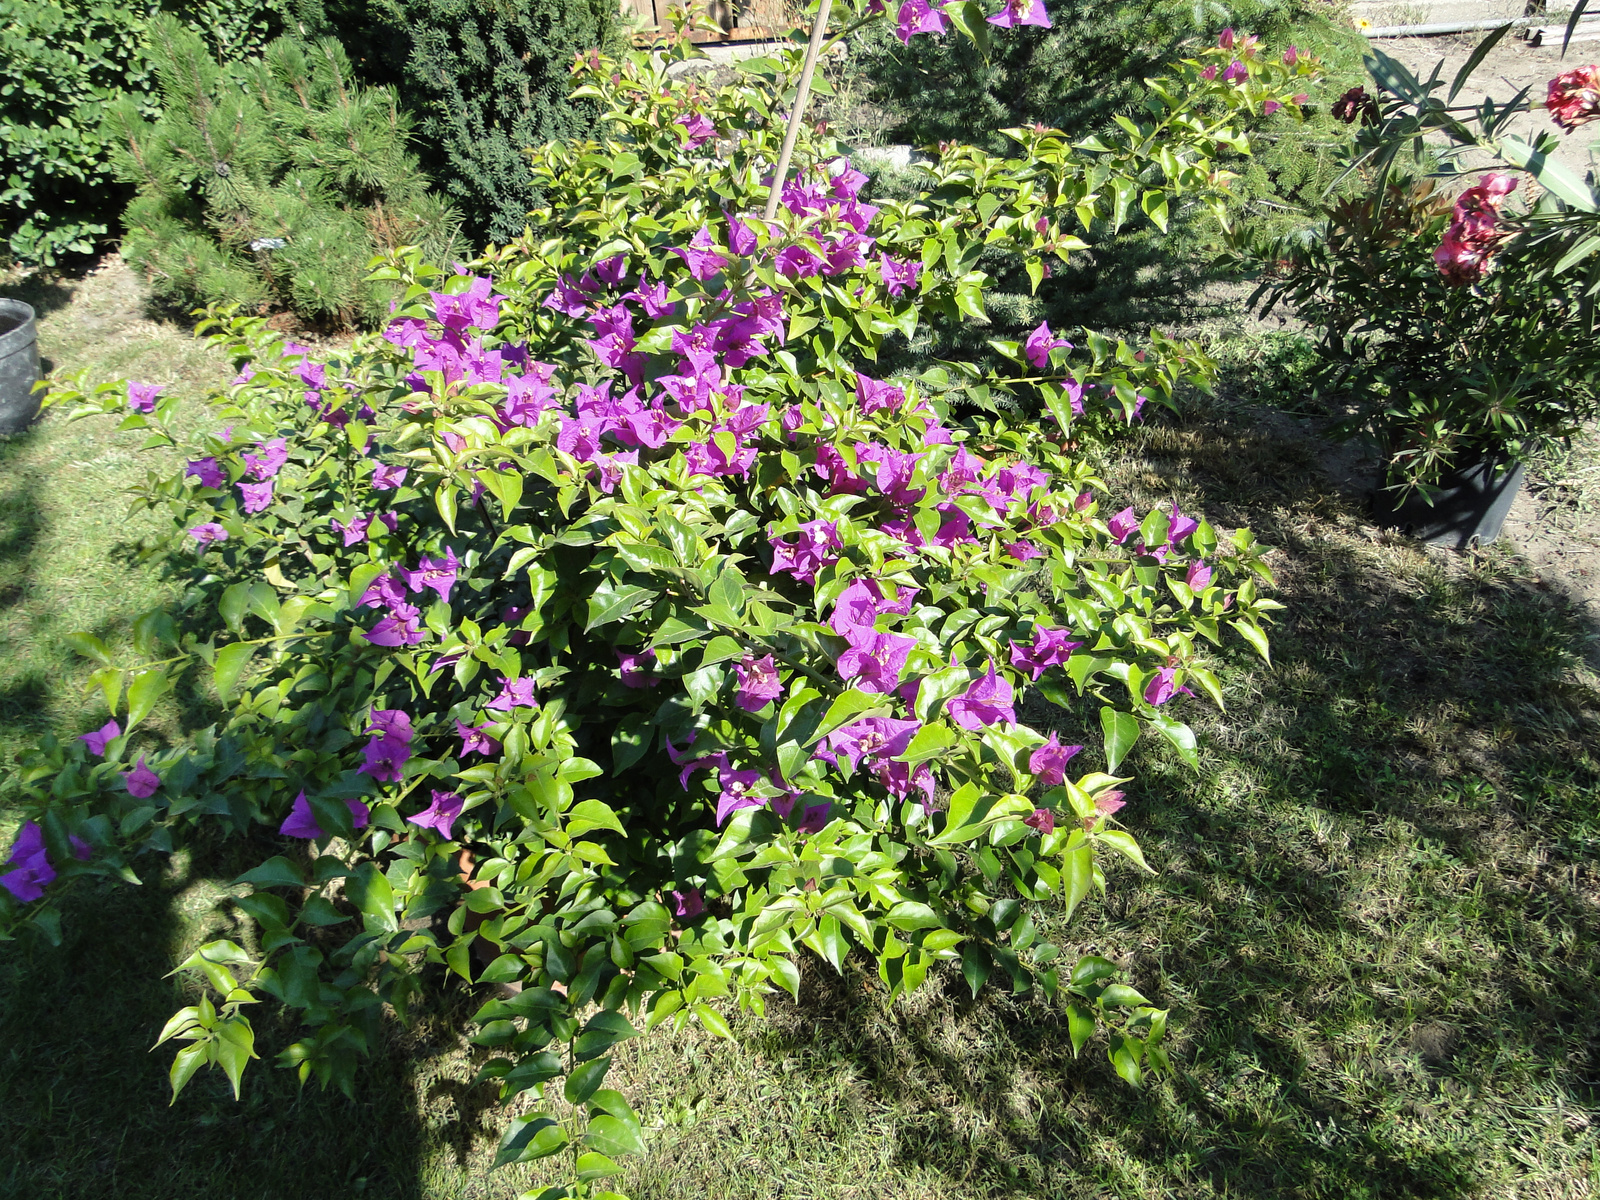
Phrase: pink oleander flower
(1021, 12)
(759, 684)
(440, 816)
(985, 703)
(1474, 233)
(1573, 97)
(302, 822)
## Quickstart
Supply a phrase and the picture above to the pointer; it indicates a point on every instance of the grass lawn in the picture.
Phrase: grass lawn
(1376, 918)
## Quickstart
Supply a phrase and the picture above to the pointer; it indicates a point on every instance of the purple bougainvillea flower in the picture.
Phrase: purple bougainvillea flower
(436, 573)
(1023, 551)
(1161, 688)
(1041, 341)
(653, 298)
(141, 781)
(1199, 575)
(815, 817)
(208, 533)
(920, 16)
(313, 374)
(862, 603)
(270, 461)
(302, 822)
(514, 693)
(390, 722)
(207, 472)
(1236, 71)
(439, 816)
(796, 262)
(1049, 648)
(892, 472)
(81, 850)
(737, 788)
(97, 740)
(1021, 12)
(1049, 761)
(612, 271)
(1110, 802)
(142, 396)
(386, 478)
(875, 660)
(256, 496)
(567, 299)
(1041, 819)
(841, 477)
(741, 238)
(987, 701)
(759, 684)
(816, 546)
(384, 758)
(899, 274)
(701, 255)
(636, 668)
(687, 905)
(875, 396)
(871, 738)
(384, 592)
(698, 128)
(1124, 525)
(28, 870)
(400, 628)
(353, 533)
(475, 739)
(475, 308)
(1180, 526)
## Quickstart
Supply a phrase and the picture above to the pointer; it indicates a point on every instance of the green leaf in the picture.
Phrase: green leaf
(975, 966)
(585, 1080)
(1091, 969)
(528, 1138)
(235, 600)
(90, 646)
(592, 1165)
(189, 1060)
(589, 815)
(1077, 876)
(1181, 737)
(608, 606)
(1080, 1026)
(275, 872)
(614, 1136)
(850, 704)
(712, 1021)
(146, 688)
(913, 914)
(445, 499)
(604, 1030)
(1551, 175)
(1121, 730)
(230, 664)
(1124, 844)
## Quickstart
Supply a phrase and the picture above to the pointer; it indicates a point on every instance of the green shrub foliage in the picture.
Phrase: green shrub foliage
(485, 80)
(615, 624)
(271, 183)
(1085, 70)
(60, 63)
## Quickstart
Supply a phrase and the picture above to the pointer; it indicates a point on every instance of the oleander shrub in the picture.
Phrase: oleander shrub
(60, 64)
(271, 183)
(613, 625)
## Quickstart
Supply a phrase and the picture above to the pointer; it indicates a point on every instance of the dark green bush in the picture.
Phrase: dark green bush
(1080, 74)
(485, 80)
(271, 183)
(59, 64)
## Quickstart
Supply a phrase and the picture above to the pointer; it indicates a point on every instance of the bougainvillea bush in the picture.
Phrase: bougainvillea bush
(609, 630)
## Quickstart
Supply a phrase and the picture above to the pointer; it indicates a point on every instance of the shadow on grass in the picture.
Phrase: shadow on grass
(1376, 918)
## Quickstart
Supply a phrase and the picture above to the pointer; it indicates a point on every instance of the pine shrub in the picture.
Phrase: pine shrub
(486, 80)
(60, 63)
(271, 183)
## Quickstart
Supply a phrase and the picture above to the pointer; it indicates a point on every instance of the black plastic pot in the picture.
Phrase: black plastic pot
(1470, 505)
(19, 366)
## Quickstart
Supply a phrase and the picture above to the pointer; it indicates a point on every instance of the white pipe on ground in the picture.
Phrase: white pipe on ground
(1387, 31)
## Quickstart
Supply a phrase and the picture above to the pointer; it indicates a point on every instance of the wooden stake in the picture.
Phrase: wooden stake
(818, 30)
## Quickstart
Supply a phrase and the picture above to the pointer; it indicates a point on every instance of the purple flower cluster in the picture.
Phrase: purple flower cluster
(391, 591)
(27, 872)
(389, 748)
